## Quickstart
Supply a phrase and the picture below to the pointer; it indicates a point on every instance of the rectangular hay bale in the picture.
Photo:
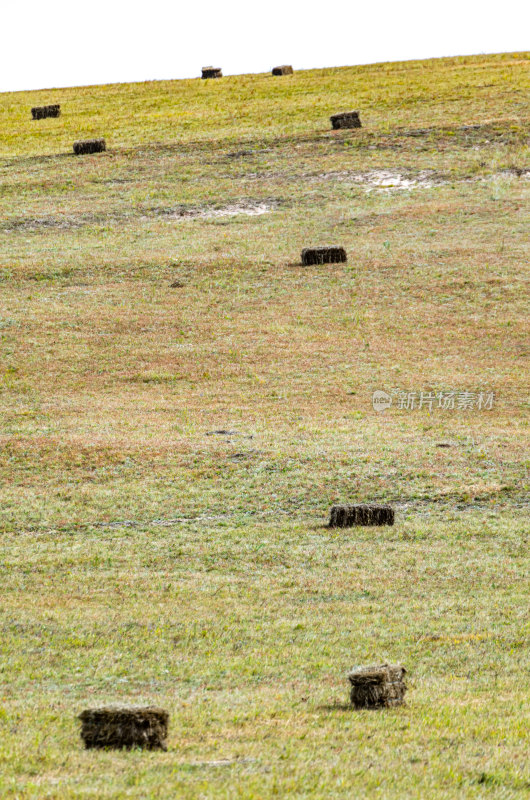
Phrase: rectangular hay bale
(377, 687)
(347, 119)
(346, 516)
(89, 146)
(285, 69)
(125, 727)
(41, 112)
(211, 72)
(323, 255)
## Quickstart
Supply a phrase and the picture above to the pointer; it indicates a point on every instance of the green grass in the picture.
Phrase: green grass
(143, 560)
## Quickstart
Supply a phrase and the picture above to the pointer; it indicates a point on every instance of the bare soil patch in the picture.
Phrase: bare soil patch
(248, 208)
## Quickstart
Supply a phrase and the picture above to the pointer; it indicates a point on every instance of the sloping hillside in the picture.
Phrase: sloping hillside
(182, 400)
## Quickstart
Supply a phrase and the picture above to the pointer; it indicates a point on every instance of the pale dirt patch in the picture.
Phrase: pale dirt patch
(233, 210)
(386, 180)
(391, 181)
(249, 208)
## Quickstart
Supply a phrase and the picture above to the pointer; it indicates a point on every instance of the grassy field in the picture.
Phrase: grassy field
(146, 558)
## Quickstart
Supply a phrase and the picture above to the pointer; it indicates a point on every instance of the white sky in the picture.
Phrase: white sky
(52, 43)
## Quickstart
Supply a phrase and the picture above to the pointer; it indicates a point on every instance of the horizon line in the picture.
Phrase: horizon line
(524, 53)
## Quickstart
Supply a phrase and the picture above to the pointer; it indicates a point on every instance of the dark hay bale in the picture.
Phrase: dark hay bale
(286, 69)
(211, 72)
(89, 146)
(348, 119)
(377, 687)
(40, 112)
(125, 727)
(323, 255)
(347, 516)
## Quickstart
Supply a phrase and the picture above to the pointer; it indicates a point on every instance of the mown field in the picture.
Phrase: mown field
(152, 296)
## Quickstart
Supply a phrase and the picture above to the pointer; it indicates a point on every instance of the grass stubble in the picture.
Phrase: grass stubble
(144, 562)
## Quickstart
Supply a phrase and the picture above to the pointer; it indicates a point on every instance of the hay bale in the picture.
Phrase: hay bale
(286, 69)
(347, 516)
(348, 119)
(89, 146)
(40, 112)
(125, 727)
(323, 255)
(211, 72)
(377, 687)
